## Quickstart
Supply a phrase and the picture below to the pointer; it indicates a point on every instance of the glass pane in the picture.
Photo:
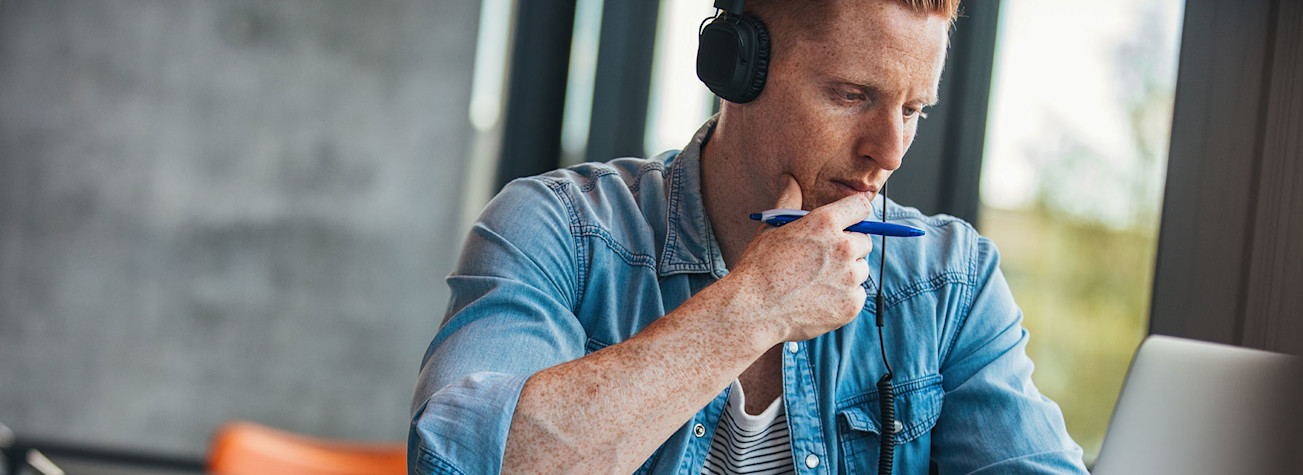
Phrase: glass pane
(576, 118)
(1072, 182)
(678, 103)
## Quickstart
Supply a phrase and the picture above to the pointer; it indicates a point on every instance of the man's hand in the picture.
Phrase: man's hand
(609, 410)
(806, 276)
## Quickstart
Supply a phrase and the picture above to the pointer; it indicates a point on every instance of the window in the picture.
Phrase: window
(1071, 186)
(678, 102)
(579, 84)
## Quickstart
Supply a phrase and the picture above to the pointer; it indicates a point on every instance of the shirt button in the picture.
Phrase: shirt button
(792, 347)
(897, 426)
(698, 430)
(812, 460)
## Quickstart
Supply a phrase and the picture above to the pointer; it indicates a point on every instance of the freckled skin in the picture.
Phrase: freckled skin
(800, 126)
(835, 119)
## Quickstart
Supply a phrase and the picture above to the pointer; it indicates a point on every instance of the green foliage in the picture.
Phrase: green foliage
(1084, 289)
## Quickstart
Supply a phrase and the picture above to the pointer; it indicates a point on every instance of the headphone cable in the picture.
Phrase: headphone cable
(886, 396)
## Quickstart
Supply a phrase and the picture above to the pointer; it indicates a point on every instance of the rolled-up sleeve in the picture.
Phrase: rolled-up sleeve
(994, 420)
(509, 316)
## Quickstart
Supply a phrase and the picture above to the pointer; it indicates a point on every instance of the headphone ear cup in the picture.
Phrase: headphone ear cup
(733, 57)
(760, 70)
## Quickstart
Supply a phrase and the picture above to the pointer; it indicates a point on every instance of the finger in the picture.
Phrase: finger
(861, 244)
(789, 193)
(860, 271)
(849, 210)
(858, 295)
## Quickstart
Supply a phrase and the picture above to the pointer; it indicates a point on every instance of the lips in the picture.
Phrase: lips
(858, 186)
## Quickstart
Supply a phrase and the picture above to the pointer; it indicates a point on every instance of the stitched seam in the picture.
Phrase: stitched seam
(439, 464)
(808, 372)
(594, 344)
(629, 257)
(581, 260)
(711, 246)
(968, 294)
(893, 298)
(905, 392)
(939, 220)
(684, 267)
(649, 167)
(591, 181)
(603, 170)
(937, 282)
(671, 218)
(899, 390)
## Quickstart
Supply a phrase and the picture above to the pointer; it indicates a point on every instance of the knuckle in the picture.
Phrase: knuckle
(822, 218)
(845, 248)
(856, 302)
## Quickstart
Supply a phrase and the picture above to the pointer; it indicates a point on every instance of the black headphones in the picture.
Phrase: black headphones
(733, 53)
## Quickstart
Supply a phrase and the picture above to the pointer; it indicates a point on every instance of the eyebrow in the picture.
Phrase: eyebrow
(931, 99)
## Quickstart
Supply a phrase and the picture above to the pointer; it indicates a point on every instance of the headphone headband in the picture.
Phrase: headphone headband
(733, 7)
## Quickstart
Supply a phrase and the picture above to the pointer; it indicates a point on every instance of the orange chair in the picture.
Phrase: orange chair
(246, 448)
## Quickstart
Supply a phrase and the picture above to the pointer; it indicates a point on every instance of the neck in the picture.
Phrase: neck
(729, 192)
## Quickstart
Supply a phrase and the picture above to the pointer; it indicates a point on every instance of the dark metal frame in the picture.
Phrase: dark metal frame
(537, 84)
(623, 82)
(1227, 270)
(536, 88)
(942, 170)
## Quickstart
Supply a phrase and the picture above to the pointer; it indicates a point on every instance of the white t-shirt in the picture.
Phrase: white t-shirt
(749, 444)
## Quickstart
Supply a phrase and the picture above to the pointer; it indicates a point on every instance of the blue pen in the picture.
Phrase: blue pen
(781, 216)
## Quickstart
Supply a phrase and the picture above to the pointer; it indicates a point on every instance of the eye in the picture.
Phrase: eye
(847, 95)
(912, 112)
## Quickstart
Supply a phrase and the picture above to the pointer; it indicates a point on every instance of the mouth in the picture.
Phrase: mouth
(851, 187)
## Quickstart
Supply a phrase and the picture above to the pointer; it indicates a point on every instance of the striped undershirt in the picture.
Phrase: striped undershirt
(749, 444)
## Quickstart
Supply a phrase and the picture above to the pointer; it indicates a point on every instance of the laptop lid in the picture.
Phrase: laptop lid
(1191, 407)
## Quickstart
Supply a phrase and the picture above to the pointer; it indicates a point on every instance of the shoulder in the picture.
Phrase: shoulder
(618, 205)
(627, 173)
(950, 250)
(619, 179)
(595, 194)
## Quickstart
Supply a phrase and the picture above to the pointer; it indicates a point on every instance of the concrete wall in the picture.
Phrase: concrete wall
(218, 210)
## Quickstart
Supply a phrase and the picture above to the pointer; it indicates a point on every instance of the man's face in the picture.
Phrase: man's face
(841, 107)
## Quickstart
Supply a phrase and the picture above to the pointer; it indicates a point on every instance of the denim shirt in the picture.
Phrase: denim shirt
(566, 263)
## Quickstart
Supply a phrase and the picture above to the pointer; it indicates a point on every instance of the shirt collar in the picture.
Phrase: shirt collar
(690, 244)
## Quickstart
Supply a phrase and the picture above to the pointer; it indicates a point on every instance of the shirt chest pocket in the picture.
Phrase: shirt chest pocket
(918, 405)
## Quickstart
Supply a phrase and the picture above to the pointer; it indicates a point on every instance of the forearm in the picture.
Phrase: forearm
(610, 409)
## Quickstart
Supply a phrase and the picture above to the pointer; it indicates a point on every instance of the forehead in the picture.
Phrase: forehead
(874, 42)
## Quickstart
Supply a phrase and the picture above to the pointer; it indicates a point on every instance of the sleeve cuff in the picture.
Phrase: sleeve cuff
(462, 427)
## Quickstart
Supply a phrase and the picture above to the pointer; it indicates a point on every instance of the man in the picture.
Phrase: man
(608, 317)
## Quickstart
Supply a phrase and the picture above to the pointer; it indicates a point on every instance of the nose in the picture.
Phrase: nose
(885, 136)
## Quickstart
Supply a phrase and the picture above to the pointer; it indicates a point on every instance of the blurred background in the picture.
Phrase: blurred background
(245, 209)
(214, 210)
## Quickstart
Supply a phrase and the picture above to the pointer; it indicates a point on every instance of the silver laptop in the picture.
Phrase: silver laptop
(1191, 407)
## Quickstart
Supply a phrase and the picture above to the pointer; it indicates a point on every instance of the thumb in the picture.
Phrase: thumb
(789, 194)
